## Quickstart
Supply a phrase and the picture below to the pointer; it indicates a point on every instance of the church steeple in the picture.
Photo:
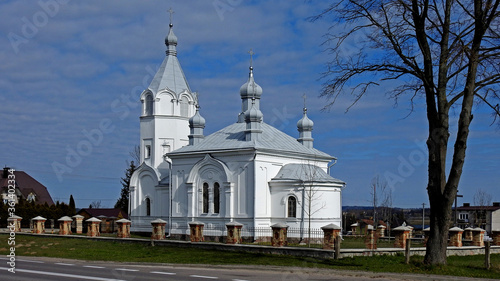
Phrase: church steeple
(305, 127)
(170, 74)
(168, 105)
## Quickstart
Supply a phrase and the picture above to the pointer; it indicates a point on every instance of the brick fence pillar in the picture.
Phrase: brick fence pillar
(279, 238)
(496, 237)
(158, 229)
(455, 237)
(14, 223)
(93, 227)
(196, 231)
(401, 233)
(354, 228)
(233, 233)
(381, 230)
(468, 233)
(123, 228)
(79, 223)
(39, 224)
(478, 237)
(330, 233)
(370, 242)
(65, 225)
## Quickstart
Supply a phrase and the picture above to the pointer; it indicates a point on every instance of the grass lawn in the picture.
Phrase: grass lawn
(470, 266)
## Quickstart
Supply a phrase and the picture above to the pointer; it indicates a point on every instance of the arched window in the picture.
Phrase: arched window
(184, 107)
(148, 107)
(148, 207)
(216, 198)
(205, 197)
(292, 207)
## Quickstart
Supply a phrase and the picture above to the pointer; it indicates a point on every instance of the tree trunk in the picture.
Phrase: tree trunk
(440, 215)
(440, 201)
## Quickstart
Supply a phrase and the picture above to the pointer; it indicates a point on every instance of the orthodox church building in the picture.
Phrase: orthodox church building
(248, 172)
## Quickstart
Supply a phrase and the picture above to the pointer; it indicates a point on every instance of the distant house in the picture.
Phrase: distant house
(26, 188)
(99, 213)
(108, 217)
(485, 217)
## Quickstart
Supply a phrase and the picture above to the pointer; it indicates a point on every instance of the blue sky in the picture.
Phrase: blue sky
(74, 68)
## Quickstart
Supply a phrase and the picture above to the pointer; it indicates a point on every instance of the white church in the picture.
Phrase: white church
(248, 172)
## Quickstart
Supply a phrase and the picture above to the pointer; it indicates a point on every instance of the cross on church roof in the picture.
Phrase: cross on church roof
(304, 97)
(251, 56)
(171, 12)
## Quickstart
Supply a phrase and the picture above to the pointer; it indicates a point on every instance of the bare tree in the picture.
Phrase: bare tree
(136, 154)
(482, 199)
(446, 51)
(381, 197)
(311, 195)
(95, 204)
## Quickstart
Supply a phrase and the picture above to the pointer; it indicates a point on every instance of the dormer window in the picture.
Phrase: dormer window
(31, 197)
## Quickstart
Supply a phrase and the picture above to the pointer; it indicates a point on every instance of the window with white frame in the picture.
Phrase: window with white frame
(148, 105)
(184, 107)
(216, 198)
(31, 197)
(205, 198)
(148, 207)
(292, 207)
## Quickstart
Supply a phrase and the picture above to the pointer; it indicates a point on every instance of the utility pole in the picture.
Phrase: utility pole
(456, 196)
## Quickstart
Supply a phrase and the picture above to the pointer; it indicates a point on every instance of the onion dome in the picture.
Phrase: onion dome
(250, 89)
(305, 124)
(197, 121)
(253, 114)
(171, 42)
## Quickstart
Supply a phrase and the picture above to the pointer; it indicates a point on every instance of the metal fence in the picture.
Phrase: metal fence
(253, 235)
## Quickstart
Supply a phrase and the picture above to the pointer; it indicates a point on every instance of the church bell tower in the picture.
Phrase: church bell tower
(167, 106)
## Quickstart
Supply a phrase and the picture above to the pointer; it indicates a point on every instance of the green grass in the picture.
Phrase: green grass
(469, 266)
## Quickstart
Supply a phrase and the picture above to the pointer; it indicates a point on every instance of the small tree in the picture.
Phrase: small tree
(482, 199)
(95, 204)
(72, 206)
(381, 197)
(311, 195)
(122, 202)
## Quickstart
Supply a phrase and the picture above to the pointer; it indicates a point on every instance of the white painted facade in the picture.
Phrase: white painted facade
(247, 172)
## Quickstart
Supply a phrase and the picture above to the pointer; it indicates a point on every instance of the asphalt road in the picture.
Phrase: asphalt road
(45, 269)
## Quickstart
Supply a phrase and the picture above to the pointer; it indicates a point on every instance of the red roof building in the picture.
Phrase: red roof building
(26, 188)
